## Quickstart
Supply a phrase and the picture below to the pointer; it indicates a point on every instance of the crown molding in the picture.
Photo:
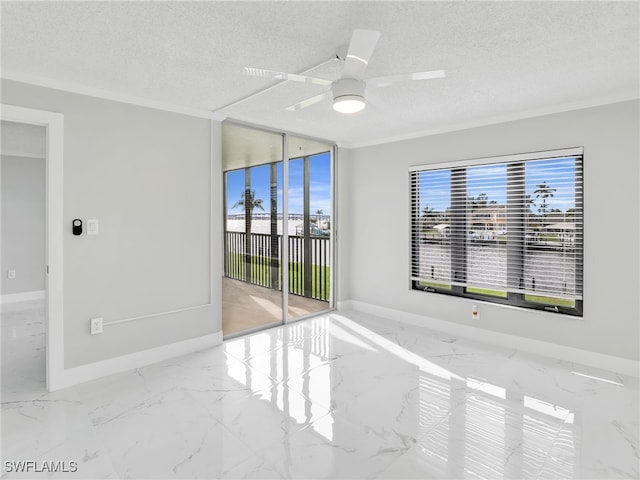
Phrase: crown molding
(538, 112)
(203, 113)
(107, 94)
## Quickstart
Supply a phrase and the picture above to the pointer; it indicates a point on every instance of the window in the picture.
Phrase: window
(506, 230)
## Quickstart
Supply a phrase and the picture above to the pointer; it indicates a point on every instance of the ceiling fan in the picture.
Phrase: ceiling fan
(348, 91)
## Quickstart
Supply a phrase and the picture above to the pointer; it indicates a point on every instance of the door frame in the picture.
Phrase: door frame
(333, 254)
(54, 320)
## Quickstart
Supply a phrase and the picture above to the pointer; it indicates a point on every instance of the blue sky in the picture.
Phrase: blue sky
(319, 185)
(492, 180)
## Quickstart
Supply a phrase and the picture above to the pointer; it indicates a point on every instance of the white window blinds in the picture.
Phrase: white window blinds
(508, 229)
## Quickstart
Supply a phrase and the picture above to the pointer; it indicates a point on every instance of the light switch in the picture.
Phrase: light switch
(92, 227)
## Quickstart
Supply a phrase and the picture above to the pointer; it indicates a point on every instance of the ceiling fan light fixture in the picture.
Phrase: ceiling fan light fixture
(348, 95)
(347, 92)
(348, 103)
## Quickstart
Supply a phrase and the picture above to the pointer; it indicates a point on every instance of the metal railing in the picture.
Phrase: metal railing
(309, 269)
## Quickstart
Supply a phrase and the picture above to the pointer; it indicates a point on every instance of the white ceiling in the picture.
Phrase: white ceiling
(244, 147)
(503, 59)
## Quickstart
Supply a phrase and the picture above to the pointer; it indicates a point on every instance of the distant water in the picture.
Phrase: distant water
(262, 226)
(487, 264)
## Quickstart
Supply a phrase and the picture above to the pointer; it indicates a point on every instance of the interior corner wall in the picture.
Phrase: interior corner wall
(23, 220)
(145, 174)
(377, 208)
(343, 167)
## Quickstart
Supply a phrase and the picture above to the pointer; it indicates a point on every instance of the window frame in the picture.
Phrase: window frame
(516, 245)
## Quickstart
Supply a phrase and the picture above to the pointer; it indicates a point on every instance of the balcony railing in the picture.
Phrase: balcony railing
(309, 269)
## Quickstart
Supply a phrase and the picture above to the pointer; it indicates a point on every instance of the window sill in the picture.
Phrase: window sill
(473, 301)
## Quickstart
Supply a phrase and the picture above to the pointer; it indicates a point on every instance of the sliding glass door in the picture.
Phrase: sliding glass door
(252, 280)
(310, 230)
(278, 228)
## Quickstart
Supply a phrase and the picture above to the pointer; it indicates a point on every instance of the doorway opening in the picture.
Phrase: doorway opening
(278, 228)
(50, 264)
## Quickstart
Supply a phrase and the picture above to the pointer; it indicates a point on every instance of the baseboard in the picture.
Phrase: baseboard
(22, 297)
(73, 376)
(538, 347)
(344, 305)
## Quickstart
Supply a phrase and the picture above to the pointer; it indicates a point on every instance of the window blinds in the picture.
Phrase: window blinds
(508, 228)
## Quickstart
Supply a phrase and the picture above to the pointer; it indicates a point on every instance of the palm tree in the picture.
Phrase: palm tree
(528, 201)
(544, 192)
(318, 218)
(427, 211)
(248, 202)
(479, 201)
(427, 217)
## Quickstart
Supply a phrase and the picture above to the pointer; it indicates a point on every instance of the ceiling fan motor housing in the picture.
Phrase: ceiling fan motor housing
(348, 89)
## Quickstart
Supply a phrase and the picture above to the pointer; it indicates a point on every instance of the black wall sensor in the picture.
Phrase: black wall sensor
(77, 227)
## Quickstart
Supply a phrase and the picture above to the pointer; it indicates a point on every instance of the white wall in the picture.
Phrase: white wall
(344, 166)
(23, 140)
(374, 204)
(145, 174)
(23, 207)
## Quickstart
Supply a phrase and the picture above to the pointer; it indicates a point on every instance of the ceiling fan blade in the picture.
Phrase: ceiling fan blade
(363, 43)
(309, 101)
(392, 79)
(270, 74)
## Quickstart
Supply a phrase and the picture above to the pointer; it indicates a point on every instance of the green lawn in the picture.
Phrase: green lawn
(261, 274)
(487, 291)
(435, 285)
(320, 279)
(560, 302)
(549, 237)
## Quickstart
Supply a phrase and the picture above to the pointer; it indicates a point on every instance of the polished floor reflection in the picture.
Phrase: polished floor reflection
(340, 396)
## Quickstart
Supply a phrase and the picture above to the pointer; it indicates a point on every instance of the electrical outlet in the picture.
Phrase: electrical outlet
(11, 274)
(96, 325)
(475, 313)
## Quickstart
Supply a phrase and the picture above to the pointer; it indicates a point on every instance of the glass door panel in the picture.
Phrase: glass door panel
(269, 244)
(252, 295)
(310, 234)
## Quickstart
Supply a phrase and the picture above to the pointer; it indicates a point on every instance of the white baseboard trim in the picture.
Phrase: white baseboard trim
(84, 373)
(593, 359)
(22, 297)
(344, 305)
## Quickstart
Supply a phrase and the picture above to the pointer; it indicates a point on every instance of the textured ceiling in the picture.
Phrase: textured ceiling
(502, 59)
(244, 147)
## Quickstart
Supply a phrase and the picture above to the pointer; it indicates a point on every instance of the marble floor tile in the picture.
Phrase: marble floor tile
(344, 395)
(54, 427)
(23, 341)
(335, 448)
